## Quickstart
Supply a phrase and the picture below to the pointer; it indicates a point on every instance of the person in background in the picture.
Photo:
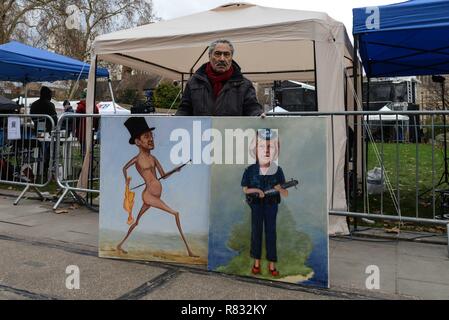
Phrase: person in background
(44, 106)
(67, 106)
(80, 129)
(68, 122)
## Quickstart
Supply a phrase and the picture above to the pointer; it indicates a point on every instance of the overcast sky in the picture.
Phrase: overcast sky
(339, 10)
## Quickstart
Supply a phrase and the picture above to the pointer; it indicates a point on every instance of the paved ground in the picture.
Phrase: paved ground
(37, 245)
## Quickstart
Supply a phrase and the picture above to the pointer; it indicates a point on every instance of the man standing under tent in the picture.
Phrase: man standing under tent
(44, 106)
(218, 87)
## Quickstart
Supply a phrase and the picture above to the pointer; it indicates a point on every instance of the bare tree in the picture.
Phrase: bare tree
(431, 95)
(16, 18)
(92, 18)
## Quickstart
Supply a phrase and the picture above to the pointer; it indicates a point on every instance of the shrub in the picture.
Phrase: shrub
(165, 94)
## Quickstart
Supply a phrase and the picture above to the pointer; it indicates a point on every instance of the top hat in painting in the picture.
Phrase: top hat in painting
(137, 126)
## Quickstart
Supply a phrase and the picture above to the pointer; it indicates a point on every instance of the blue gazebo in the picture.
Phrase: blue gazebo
(410, 39)
(22, 63)
(25, 64)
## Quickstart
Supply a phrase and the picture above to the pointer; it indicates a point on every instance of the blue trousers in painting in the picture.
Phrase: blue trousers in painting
(263, 216)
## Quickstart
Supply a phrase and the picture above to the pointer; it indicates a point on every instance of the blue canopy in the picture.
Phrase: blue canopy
(412, 38)
(22, 63)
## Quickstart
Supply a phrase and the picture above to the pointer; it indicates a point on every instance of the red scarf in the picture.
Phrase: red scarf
(218, 79)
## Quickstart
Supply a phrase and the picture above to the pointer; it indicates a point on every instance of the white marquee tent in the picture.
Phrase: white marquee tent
(278, 109)
(270, 44)
(386, 117)
(107, 108)
(399, 122)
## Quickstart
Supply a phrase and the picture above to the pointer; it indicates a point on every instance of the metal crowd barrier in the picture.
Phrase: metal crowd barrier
(74, 154)
(412, 183)
(26, 151)
(410, 151)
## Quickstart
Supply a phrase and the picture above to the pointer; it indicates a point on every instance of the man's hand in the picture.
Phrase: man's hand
(263, 115)
(128, 180)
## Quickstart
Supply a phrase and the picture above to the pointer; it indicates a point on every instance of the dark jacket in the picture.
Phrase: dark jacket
(44, 106)
(237, 98)
(253, 179)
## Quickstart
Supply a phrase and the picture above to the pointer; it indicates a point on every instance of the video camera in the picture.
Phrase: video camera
(145, 106)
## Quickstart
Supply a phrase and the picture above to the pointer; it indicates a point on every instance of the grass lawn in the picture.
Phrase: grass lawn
(412, 157)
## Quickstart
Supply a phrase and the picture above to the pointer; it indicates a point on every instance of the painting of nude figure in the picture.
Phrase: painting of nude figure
(151, 208)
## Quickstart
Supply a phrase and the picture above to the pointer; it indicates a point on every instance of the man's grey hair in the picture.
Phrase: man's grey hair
(214, 44)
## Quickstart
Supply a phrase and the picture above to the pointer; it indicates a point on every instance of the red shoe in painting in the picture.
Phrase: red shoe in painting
(274, 272)
(255, 270)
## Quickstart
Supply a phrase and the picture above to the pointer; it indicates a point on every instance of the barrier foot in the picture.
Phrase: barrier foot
(16, 202)
(39, 193)
(60, 199)
(73, 195)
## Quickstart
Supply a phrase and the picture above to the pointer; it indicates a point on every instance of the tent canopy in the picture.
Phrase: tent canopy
(386, 117)
(22, 63)
(277, 109)
(8, 106)
(268, 42)
(107, 108)
(412, 38)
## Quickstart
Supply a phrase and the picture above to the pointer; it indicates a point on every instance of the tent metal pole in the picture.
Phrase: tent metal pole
(197, 60)
(368, 83)
(355, 71)
(409, 67)
(112, 95)
(148, 63)
(277, 72)
(418, 50)
(446, 180)
(315, 74)
(348, 146)
(182, 84)
(92, 142)
(26, 98)
(366, 140)
(367, 108)
(95, 82)
(346, 91)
